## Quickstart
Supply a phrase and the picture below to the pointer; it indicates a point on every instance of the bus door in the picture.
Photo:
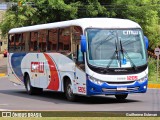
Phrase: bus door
(80, 73)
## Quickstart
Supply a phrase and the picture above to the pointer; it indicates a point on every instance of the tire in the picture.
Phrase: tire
(69, 92)
(121, 96)
(31, 90)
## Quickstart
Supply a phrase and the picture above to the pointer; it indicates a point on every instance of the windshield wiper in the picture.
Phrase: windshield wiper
(113, 56)
(123, 51)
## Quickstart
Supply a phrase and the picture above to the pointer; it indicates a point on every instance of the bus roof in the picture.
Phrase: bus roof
(83, 22)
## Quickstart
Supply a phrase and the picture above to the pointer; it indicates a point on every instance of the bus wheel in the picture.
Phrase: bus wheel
(31, 90)
(121, 96)
(69, 91)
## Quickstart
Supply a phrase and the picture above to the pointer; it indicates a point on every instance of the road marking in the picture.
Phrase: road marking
(153, 85)
(3, 104)
(2, 74)
(4, 110)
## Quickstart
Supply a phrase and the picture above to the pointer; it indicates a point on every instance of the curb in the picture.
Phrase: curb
(2, 74)
(153, 85)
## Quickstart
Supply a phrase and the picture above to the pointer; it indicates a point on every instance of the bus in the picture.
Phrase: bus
(87, 56)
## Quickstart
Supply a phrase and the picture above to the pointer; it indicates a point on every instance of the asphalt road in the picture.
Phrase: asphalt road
(15, 98)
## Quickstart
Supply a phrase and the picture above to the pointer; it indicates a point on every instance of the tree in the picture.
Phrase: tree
(145, 12)
(92, 8)
(47, 11)
(55, 10)
(17, 16)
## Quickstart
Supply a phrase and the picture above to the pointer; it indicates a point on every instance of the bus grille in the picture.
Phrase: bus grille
(126, 82)
(115, 90)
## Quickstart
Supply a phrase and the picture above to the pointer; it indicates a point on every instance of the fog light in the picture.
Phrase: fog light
(144, 87)
(92, 89)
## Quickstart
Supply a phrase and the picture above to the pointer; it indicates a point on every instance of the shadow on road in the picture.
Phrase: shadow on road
(59, 98)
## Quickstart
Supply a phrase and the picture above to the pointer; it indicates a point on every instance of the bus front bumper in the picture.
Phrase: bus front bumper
(113, 89)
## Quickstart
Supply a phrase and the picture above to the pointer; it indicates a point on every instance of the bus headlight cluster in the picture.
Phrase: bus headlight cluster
(94, 80)
(143, 79)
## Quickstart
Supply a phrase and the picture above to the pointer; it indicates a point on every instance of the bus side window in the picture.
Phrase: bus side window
(64, 43)
(42, 40)
(77, 31)
(26, 39)
(23, 42)
(11, 43)
(79, 55)
(18, 38)
(53, 40)
(33, 43)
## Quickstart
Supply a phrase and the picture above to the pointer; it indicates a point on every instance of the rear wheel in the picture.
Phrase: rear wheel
(69, 91)
(31, 90)
(121, 96)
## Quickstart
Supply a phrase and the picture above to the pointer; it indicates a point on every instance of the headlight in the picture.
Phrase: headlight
(143, 79)
(94, 80)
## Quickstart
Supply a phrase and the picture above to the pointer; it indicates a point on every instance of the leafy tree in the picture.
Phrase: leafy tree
(46, 11)
(93, 9)
(55, 10)
(145, 12)
(31, 12)
(17, 17)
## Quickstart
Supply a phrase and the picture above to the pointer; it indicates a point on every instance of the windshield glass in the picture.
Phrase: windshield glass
(104, 48)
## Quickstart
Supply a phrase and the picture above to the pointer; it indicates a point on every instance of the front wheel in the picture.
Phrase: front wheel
(121, 96)
(69, 91)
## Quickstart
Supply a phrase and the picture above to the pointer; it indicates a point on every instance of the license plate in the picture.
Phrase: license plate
(121, 88)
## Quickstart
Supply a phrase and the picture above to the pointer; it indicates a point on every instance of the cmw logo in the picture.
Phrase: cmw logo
(37, 67)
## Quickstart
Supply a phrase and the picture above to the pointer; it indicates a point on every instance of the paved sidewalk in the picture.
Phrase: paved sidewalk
(2, 64)
(1, 56)
(151, 85)
(2, 74)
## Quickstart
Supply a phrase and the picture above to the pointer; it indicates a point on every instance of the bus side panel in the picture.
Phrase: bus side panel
(70, 75)
(30, 66)
(52, 73)
(47, 70)
(80, 81)
(60, 66)
(14, 67)
(64, 66)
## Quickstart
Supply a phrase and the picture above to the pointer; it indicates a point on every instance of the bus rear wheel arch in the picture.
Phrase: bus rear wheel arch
(29, 88)
(68, 89)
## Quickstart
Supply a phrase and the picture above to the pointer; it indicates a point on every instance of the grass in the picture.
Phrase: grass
(152, 63)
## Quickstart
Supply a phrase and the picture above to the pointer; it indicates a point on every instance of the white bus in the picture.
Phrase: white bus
(89, 56)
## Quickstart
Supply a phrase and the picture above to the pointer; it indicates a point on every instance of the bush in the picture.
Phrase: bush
(152, 64)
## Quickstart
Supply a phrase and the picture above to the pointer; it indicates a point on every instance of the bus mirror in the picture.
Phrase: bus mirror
(83, 43)
(146, 42)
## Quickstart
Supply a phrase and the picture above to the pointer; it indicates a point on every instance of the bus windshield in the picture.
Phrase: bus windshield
(116, 48)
